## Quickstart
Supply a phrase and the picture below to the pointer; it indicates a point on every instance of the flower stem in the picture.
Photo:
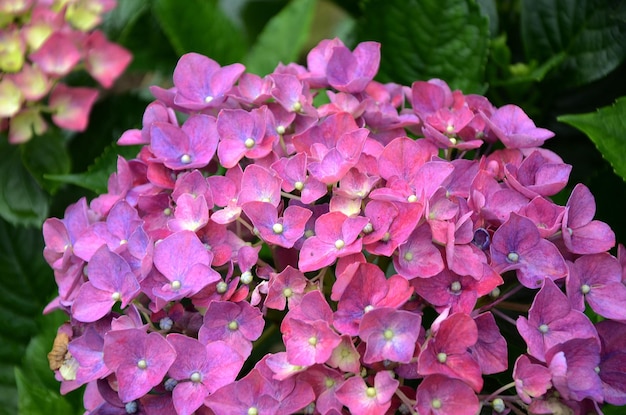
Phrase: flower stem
(405, 400)
(503, 316)
(503, 297)
(499, 391)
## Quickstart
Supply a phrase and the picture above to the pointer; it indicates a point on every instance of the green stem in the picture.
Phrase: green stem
(405, 400)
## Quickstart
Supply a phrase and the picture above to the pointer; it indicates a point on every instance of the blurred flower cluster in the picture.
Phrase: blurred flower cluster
(314, 241)
(42, 41)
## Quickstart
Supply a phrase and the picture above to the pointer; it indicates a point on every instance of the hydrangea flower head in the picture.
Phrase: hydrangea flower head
(375, 254)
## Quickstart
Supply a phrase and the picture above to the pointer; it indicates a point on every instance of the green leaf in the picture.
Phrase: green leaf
(489, 9)
(605, 128)
(35, 399)
(588, 31)
(41, 387)
(97, 175)
(22, 201)
(151, 49)
(612, 410)
(118, 22)
(28, 286)
(424, 39)
(200, 26)
(46, 154)
(519, 73)
(282, 37)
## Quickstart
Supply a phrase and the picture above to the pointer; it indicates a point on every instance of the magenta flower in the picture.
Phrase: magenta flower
(447, 353)
(295, 176)
(284, 231)
(368, 400)
(253, 89)
(351, 71)
(582, 234)
(392, 223)
(573, 367)
(538, 175)
(325, 383)
(491, 348)
(243, 133)
(191, 213)
(517, 245)
(390, 334)
(248, 395)
(259, 184)
(365, 288)
(308, 343)
(613, 361)
(511, 125)
(105, 61)
(61, 234)
(121, 223)
(361, 230)
(58, 55)
(428, 97)
(292, 94)
(71, 106)
(190, 146)
(333, 147)
(292, 394)
(110, 280)
(201, 83)
(88, 350)
(546, 215)
(404, 157)
(460, 293)
(317, 61)
(139, 360)
(237, 324)
(345, 357)
(532, 380)
(418, 257)
(552, 321)
(597, 280)
(441, 395)
(200, 370)
(336, 235)
(184, 261)
(286, 288)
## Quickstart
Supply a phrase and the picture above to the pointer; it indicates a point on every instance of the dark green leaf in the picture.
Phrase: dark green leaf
(200, 26)
(423, 39)
(111, 118)
(42, 387)
(150, 47)
(588, 31)
(282, 37)
(22, 201)
(28, 285)
(35, 399)
(118, 22)
(612, 410)
(97, 175)
(46, 154)
(606, 129)
(488, 8)
(252, 16)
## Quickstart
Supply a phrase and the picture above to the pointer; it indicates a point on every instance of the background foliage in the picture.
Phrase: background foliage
(563, 61)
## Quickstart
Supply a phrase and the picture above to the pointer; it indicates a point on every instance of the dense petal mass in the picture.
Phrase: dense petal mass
(314, 241)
